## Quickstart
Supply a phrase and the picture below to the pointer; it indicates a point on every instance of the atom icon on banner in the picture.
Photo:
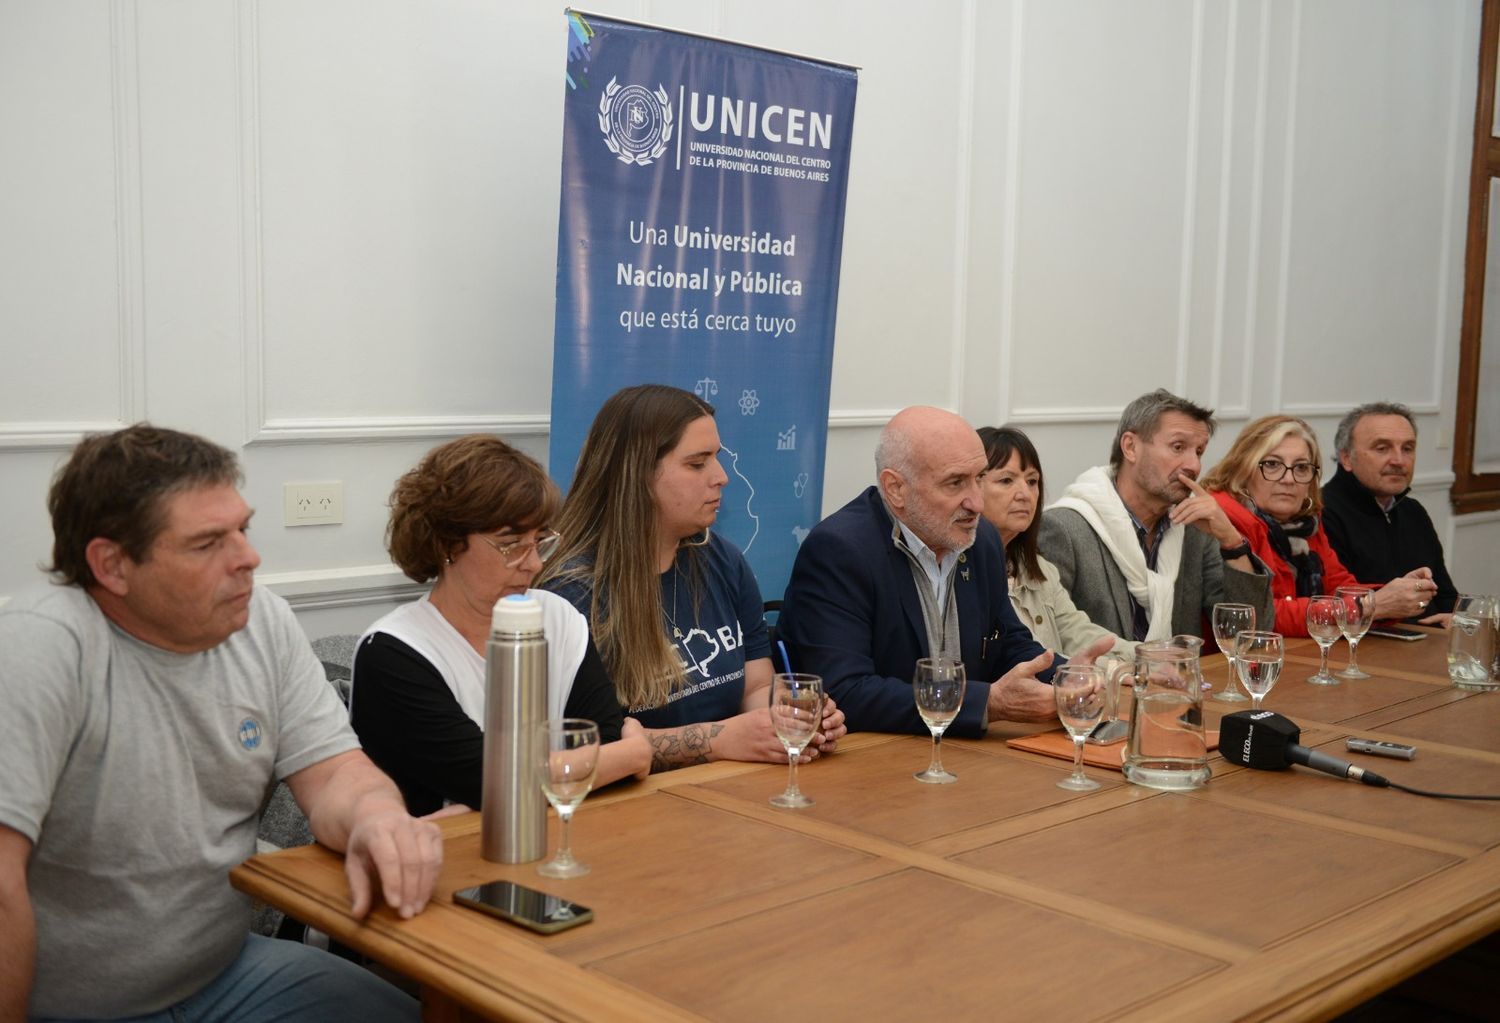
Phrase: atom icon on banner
(748, 403)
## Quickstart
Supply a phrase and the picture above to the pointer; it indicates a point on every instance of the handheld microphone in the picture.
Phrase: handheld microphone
(1266, 741)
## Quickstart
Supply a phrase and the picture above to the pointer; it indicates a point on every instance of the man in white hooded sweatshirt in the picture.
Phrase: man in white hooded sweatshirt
(1142, 549)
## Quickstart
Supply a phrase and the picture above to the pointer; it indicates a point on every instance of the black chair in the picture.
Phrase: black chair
(282, 823)
(773, 616)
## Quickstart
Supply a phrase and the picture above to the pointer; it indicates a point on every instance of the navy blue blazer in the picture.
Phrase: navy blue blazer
(852, 615)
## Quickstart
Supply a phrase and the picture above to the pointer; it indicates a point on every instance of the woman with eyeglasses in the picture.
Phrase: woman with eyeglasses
(1267, 485)
(474, 517)
(674, 607)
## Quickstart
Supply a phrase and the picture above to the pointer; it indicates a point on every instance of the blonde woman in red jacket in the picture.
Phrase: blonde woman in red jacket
(1267, 485)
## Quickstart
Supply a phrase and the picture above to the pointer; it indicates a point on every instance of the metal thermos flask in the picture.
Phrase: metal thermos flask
(514, 819)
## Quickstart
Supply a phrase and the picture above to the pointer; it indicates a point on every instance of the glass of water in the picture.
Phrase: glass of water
(939, 686)
(1325, 623)
(1471, 643)
(1359, 613)
(1081, 696)
(569, 749)
(1258, 658)
(1229, 620)
(796, 713)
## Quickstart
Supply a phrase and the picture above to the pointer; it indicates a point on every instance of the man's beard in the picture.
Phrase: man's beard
(929, 528)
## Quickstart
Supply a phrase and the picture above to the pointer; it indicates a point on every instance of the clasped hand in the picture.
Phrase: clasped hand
(752, 736)
(1406, 596)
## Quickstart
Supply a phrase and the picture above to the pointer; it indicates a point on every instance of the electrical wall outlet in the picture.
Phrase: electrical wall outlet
(313, 504)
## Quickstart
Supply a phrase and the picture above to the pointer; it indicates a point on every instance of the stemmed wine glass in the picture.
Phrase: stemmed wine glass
(1229, 620)
(796, 714)
(1359, 613)
(1258, 658)
(939, 686)
(569, 753)
(1080, 694)
(1325, 621)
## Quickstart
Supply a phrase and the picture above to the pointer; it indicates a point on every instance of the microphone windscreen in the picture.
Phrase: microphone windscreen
(1257, 738)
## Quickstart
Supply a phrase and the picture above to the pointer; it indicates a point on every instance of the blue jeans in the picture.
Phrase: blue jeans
(273, 981)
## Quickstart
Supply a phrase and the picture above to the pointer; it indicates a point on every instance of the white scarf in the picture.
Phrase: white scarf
(1093, 496)
(423, 628)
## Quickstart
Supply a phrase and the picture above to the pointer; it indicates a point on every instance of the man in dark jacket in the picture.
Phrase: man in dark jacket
(910, 569)
(1376, 529)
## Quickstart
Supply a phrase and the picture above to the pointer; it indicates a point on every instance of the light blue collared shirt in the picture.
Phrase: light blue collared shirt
(937, 574)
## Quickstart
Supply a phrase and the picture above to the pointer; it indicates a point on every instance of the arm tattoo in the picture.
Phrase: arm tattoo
(683, 746)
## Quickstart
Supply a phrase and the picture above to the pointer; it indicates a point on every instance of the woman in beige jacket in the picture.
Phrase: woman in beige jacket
(1012, 502)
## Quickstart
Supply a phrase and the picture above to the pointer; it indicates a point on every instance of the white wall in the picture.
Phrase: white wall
(324, 233)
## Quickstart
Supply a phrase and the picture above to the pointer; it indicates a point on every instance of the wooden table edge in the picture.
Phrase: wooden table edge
(594, 997)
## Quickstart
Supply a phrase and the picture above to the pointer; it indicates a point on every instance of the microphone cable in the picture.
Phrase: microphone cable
(1380, 781)
(1435, 795)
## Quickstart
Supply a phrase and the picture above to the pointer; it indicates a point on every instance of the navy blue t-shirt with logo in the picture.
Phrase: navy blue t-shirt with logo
(714, 634)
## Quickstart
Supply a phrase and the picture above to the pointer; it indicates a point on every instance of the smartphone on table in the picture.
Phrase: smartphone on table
(1396, 632)
(537, 911)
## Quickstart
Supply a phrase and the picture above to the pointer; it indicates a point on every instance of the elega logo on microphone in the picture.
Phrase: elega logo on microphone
(1250, 735)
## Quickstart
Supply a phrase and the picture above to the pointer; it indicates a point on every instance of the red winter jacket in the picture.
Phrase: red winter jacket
(1291, 610)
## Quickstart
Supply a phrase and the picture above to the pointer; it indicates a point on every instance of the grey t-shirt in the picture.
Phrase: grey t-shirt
(139, 775)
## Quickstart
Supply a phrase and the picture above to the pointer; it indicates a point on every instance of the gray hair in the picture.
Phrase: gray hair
(1142, 416)
(1345, 435)
(894, 451)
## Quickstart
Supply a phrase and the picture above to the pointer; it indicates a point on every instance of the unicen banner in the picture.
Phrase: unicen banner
(702, 221)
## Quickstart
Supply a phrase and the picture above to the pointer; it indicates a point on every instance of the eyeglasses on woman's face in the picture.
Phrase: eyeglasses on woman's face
(1274, 469)
(513, 552)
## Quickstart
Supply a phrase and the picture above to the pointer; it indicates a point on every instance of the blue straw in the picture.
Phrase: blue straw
(785, 660)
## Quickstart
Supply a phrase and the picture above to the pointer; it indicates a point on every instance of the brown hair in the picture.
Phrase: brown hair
(1142, 417)
(1255, 441)
(1000, 443)
(475, 484)
(115, 485)
(609, 525)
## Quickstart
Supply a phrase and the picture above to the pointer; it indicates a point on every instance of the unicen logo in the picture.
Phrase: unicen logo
(636, 122)
(1262, 715)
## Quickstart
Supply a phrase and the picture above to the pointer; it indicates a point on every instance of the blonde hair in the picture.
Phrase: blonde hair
(1254, 443)
(609, 525)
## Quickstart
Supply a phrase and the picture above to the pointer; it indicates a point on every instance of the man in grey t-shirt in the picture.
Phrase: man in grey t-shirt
(148, 702)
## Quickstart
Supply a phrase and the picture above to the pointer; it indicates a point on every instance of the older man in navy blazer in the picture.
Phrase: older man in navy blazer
(911, 569)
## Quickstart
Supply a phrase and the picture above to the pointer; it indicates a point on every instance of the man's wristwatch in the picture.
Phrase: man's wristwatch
(1230, 553)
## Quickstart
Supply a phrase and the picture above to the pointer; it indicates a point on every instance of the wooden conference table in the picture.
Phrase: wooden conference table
(1285, 895)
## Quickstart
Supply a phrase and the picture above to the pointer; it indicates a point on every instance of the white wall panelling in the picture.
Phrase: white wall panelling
(325, 233)
(1108, 101)
(72, 306)
(1374, 121)
(390, 306)
(1289, 146)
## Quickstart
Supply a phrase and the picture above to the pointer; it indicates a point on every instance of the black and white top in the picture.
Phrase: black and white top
(419, 692)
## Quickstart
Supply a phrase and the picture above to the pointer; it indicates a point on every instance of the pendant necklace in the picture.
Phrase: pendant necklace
(672, 614)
